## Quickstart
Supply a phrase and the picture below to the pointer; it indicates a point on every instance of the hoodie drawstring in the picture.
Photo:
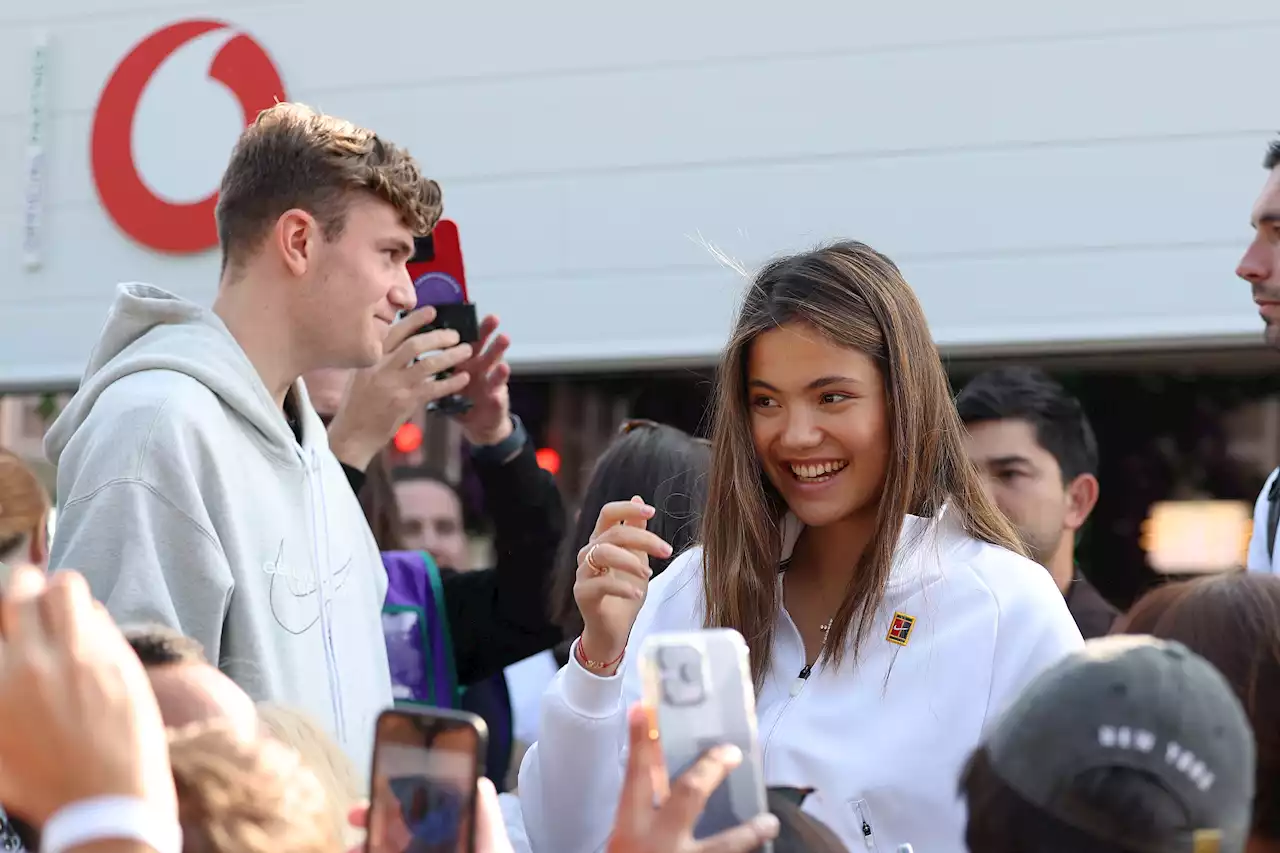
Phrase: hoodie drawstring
(324, 583)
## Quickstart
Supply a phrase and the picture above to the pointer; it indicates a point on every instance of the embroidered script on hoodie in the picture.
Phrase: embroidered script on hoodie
(302, 586)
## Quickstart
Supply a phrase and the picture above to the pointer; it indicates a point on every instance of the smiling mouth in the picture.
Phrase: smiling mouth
(817, 472)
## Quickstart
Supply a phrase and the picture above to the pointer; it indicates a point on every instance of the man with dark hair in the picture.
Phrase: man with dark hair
(196, 483)
(1036, 447)
(189, 689)
(432, 518)
(1132, 745)
(1260, 266)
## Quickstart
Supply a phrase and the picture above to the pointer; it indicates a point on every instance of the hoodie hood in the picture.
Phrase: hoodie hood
(185, 500)
(149, 328)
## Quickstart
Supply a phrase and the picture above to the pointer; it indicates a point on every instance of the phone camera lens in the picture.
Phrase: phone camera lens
(682, 675)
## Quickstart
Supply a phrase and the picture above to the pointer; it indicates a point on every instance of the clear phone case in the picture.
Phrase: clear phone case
(699, 684)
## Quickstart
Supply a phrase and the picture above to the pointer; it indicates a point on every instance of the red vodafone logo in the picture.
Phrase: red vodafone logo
(241, 65)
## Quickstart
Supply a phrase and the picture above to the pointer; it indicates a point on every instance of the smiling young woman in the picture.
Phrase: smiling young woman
(888, 606)
(831, 370)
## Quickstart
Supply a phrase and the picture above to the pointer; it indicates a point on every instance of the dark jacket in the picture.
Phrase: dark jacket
(492, 617)
(500, 616)
(1094, 615)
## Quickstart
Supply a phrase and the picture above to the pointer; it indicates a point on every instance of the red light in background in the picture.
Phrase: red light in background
(408, 438)
(548, 460)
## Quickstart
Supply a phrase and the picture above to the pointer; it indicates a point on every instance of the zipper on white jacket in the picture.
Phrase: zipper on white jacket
(796, 687)
(798, 684)
(868, 834)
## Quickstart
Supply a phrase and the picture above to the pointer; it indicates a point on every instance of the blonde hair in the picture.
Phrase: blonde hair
(24, 504)
(856, 298)
(238, 796)
(295, 157)
(322, 756)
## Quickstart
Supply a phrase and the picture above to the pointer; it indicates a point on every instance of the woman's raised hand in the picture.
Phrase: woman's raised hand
(613, 579)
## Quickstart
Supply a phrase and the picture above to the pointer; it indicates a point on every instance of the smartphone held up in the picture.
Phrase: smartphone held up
(426, 765)
(440, 280)
(698, 685)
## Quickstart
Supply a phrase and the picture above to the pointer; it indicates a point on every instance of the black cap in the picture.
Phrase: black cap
(1141, 704)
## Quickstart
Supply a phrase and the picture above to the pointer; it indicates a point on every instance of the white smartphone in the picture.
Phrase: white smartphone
(699, 686)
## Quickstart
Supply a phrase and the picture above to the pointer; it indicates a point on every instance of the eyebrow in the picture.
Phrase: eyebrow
(402, 246)
(1012, 459)
(821, 382)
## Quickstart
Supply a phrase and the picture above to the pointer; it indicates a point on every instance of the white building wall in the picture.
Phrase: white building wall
(1046, 174)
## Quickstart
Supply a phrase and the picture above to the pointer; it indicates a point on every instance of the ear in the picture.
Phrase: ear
(1082, 497)
(295, 238)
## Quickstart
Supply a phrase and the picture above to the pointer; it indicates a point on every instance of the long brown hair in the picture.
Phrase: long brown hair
(857, 298)
(381, 508)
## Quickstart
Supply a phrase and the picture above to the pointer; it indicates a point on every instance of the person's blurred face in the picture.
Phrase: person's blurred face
(1025, 481)
(325, 388)
(431, 517)
(1260, 265)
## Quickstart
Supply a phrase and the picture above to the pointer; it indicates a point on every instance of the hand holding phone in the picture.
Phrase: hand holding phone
(379, 399)
(640, 828)
(440, 280)
(426, 765)
(699, 685)
(488, 421)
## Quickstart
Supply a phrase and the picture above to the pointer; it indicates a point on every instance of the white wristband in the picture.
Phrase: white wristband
(110, 818)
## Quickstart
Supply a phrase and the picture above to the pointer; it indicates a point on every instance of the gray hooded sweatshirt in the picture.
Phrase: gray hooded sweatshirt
(186, 500)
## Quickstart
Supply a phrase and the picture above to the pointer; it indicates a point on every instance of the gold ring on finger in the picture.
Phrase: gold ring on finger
(595, 568)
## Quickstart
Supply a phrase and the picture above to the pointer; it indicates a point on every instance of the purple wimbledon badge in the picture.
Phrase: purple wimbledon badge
(403, 630)
(437, 288)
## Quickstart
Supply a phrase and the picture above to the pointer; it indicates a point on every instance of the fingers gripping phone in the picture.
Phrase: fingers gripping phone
(426, 763)
(699, 683)
(440, 280)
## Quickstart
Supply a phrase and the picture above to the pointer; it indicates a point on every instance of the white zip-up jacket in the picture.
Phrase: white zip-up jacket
(881, 740)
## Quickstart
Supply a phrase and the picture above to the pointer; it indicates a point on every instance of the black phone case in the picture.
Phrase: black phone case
(459, 316)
